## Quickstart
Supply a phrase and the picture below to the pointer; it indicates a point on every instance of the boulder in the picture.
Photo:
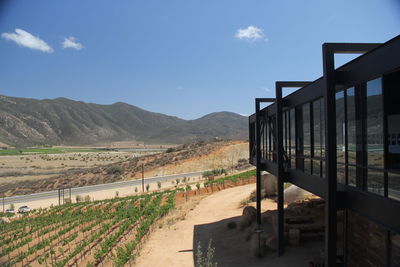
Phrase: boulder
(294, 193)
(248, 217)
(269, 184)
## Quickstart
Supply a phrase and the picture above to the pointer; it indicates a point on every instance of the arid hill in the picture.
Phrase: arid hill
(26, 122)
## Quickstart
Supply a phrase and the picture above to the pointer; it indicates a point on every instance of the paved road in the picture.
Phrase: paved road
(92, 188)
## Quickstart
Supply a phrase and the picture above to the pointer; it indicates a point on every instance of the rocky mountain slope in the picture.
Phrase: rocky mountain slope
(25, 122)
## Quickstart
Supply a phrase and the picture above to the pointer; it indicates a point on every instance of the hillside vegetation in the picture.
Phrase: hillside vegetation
(185, 158)
(27, 122)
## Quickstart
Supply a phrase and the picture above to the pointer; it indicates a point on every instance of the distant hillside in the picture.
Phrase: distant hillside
(25, 122)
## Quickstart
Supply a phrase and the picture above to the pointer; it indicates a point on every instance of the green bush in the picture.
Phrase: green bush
(232, 178)
(115, 170)
(214, 172)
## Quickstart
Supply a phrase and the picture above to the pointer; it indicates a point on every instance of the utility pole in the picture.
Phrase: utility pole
(3, 204)
(142, 178)
(232, 163)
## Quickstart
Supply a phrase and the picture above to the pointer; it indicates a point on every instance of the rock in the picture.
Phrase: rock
(294, 237)
(248, 217)
(271, 243)
(269, 183)
(258, 245)
(294, 193)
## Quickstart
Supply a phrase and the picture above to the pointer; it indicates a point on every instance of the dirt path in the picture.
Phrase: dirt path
(173, 246)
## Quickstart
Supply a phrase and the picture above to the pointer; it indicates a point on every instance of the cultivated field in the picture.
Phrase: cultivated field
(96, 233)
(85, 233)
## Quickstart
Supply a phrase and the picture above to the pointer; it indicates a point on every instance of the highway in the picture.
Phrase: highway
(91, 188)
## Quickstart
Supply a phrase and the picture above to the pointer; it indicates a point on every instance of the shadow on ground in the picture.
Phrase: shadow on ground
(232, 248)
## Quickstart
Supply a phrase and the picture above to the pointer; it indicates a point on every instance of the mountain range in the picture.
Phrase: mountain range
(61, 121)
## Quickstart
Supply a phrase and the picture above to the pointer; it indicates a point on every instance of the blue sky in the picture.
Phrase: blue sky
(184, 58)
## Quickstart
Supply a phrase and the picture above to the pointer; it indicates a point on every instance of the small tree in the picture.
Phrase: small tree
(188, 188)
(159, 184)
(136, 189)
(116, 193)
(198, 186)
(147, 187)
(177, 181)
(78, 198)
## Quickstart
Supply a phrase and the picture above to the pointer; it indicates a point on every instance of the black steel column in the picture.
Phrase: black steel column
(280, 159)
(330, 156)
(258, 156)
(258, 163)
(279, 127)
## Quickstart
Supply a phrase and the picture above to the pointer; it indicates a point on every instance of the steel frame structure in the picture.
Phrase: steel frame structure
(376, 60)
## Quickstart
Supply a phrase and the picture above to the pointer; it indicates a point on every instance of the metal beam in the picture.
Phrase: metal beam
(330, 156)
(258, 156)
(279, 126)
(279, 133)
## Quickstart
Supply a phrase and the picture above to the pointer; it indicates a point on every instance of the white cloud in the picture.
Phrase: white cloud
(24, 38)
(251, 33)
(71, 42)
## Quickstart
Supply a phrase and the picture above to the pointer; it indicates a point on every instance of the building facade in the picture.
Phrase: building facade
(339, 138)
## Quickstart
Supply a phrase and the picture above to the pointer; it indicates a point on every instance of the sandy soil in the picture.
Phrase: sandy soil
(224, 157)
(163, 247)
(174, 245)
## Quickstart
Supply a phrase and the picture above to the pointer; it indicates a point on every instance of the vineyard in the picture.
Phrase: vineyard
(107, 232)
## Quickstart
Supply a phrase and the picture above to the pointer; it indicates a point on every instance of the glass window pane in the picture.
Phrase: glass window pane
(394, 185)
(376, 182)
(316, 167)
(323, 169)
(392, 83)
(341, 174)
(375, 123)
(317, 127)
(306, 129)
(292, 139)
(307, 166)
(322, 128)
(352, 180)
(351, 126)
(340, 127)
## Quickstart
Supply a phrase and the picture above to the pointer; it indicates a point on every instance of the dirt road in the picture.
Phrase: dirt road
(174, 245)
